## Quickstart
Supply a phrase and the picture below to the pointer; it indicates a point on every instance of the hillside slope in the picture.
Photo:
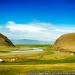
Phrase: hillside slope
(4, 41)
(66, 42)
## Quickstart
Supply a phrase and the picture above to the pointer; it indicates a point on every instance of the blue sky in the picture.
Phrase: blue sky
(24, 11)
(46, 18)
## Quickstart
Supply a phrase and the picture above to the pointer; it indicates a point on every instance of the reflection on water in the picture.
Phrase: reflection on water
(33, 50)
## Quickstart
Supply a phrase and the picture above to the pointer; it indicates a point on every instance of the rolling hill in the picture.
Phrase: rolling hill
(65, 42)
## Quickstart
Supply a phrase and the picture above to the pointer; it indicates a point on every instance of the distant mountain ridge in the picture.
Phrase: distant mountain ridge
(29, 41)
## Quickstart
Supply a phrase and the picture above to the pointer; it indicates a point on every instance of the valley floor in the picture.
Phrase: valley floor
(33, 62)
(40, 69)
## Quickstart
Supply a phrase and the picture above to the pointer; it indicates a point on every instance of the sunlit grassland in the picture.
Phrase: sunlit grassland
(47, 56)
(4, 48)
(26, 69)
(23, 46)
(46, 61)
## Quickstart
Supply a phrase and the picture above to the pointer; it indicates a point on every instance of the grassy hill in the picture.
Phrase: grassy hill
(4, 41)
(65, 42)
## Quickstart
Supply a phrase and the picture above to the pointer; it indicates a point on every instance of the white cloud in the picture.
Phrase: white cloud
(24, 27)
(36, 30)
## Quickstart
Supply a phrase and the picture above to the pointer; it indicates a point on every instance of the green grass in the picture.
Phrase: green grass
(40, 62)
(35, 61)
(4, 48)
(32, 45)
(48, 56)
(25, 69)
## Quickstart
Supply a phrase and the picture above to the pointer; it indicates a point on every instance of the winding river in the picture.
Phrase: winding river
(33, 50)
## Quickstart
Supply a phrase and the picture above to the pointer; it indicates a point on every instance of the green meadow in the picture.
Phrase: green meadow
(47, 60)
